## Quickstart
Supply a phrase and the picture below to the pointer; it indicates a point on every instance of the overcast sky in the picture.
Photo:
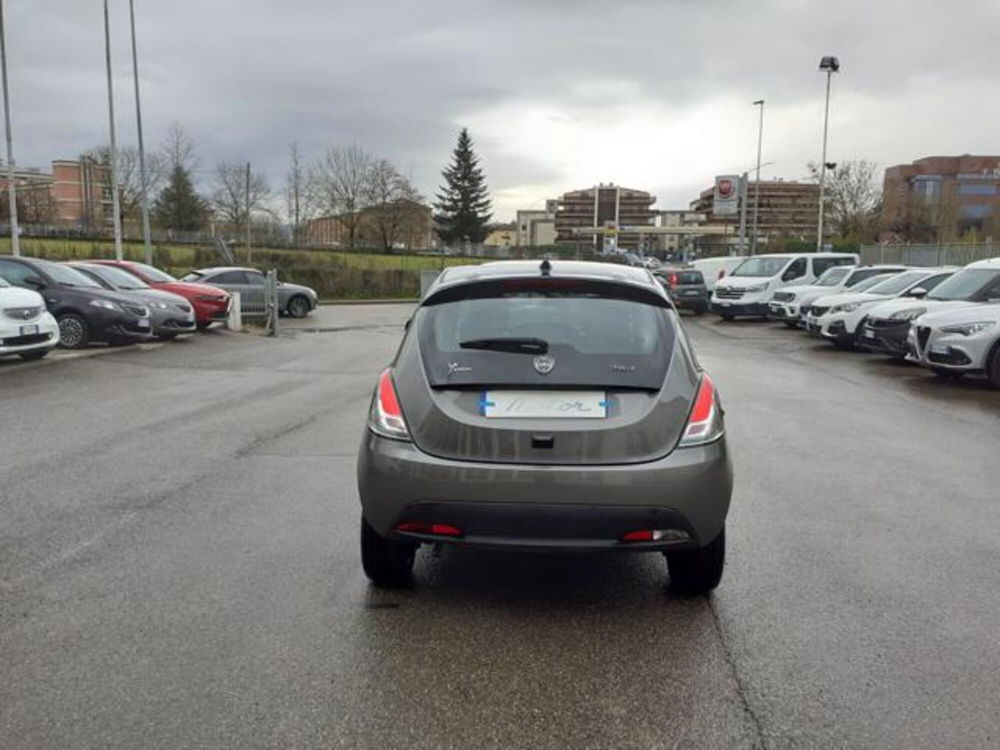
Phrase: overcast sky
(558, 95)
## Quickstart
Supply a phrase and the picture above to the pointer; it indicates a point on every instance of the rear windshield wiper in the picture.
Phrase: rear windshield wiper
(513, 345)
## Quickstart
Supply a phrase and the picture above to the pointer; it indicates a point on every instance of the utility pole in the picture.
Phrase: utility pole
(113, 151)
(247, 211)
(743, 214)
(144, 188)
(15, 239)
(756, 188)
(828, 65)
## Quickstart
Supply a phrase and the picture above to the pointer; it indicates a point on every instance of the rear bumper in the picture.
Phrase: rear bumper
(544, 507)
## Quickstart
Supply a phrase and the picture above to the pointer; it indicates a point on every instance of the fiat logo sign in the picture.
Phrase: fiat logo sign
(726, 188)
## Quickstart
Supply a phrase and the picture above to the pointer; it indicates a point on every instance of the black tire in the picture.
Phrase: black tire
(993, 367)
(791, 324)
(388, 564)
(727, 316)
(202, 326)
(166, 336)
(698, 571)
(298, 306)
(32, 356)
(74, 333)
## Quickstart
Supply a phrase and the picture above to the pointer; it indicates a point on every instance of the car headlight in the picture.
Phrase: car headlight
(849, 307)
(106, 304)
(969, 329)
(911, 314)
(211, 298)
(159, 305)
(756, 288)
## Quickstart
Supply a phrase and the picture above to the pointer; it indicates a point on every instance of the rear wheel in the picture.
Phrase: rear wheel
(37, 354)
(387, 563)
(698, 571)
(74, 332)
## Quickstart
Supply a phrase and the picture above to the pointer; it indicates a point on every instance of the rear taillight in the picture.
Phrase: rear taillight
(436, 529)
(705, 422)
(386, 416)
(673, 279)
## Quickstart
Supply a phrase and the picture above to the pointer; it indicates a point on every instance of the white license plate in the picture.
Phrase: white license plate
(938, 349)
(869, 334)
(690, 292)
(543, 404)
(726, 304)
(29, 330)
(143, 322)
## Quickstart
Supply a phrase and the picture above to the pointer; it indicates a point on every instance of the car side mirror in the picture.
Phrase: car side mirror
(918, 292)
(406, 325)
(35, 281)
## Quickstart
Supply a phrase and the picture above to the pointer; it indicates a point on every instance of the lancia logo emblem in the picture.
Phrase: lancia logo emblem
(543, 364)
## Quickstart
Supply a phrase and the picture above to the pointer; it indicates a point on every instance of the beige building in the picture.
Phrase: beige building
(535, 228)
(503, 237)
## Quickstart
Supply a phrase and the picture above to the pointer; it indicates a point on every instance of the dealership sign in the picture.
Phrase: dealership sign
(726, 197)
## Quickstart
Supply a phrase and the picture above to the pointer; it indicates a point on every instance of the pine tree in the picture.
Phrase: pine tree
(178, 206)
(463, 205)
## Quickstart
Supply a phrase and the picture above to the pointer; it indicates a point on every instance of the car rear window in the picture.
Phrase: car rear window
(595, 339)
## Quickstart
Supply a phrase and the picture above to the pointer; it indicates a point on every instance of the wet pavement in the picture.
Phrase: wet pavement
(178, 566)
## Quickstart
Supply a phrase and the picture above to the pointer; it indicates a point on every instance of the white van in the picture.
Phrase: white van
(714, 269)
(748, 288)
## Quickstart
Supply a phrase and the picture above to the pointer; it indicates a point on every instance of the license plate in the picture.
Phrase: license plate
(938, 349)
(868, 334)
(690, 292)
(726, 304)
(29, 330)
(143, 322)
(543, 404)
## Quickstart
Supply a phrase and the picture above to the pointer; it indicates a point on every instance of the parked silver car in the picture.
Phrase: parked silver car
(295, 300)
(545, 406)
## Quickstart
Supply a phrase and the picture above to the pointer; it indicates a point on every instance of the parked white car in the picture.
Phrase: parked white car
(957, 341)
(749, 288)
(716, 268)
(887, 325)
(787, 304)
(26, 327)
(837, 317)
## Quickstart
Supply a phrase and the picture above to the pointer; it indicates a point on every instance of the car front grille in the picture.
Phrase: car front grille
(728, 293)
(879, 324)
(783, 296)
(923, 334)
(23, 313)
(818, 310)
(35, 338)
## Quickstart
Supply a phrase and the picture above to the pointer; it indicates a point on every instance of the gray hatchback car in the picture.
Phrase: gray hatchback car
(552, 406)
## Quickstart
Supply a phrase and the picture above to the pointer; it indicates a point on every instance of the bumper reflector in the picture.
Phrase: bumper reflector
(656, 535)
(420, 527)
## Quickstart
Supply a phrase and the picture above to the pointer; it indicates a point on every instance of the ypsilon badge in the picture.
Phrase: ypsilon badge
(543, 364)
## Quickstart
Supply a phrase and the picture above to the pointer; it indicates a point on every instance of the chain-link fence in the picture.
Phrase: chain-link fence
(942, 254)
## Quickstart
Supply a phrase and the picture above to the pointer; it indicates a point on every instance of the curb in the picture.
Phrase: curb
(406, 301)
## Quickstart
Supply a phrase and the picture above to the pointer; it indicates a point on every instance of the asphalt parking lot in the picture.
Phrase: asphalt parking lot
(178, 566)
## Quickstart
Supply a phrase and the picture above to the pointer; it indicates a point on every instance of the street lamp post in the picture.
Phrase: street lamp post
(143, 179)
(15, 240)
(113, 150)
(828, 65)
(756, 189)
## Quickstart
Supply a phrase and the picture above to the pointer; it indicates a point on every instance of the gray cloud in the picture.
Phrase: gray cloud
(248, 76)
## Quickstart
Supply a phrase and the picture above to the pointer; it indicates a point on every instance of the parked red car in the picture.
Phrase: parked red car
(211, 304)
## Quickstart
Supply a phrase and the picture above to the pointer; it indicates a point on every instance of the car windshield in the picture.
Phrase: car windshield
(155, 274)
(118, 278)
(66, 276)
(965, 284)
(760, 267)
(897, 283)
(833, 277)
(864, 286)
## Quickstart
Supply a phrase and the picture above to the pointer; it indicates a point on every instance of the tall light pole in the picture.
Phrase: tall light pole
(144, 184)
(756, 188)
(828, 65)
(15, 240)
(113, 150)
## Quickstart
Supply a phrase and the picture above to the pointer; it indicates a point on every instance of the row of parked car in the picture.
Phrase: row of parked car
(946, 318)
(44, 304)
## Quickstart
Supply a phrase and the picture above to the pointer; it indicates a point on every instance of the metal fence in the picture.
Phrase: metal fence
(942, 254)
(261, 304)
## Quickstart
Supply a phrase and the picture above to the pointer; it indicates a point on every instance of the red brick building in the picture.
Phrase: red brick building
(75, 193)
(788, 209)
(941, 198)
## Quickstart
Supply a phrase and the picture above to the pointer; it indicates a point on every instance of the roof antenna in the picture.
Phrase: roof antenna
(546, 268)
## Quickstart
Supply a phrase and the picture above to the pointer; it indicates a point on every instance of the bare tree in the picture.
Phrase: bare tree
(394, 205)
(229, 197)
(343, 186)
(853, 199)
(129, 176)
(300, 199)
(178, 149)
